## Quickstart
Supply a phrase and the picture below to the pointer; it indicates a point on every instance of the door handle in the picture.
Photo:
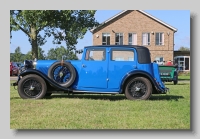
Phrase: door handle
(83, 65)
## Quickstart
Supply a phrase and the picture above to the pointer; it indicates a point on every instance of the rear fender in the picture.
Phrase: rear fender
(137, 73)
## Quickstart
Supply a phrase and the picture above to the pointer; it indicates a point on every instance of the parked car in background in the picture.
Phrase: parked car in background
(14, 69)
(168, 72)
(20, 66)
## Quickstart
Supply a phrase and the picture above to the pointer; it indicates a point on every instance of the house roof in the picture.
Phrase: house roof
(113, 17)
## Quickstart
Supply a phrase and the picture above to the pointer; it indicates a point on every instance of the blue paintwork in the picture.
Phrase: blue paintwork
(105, 76)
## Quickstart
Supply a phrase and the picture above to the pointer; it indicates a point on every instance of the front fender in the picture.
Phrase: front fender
(44, 76)
(155, 83)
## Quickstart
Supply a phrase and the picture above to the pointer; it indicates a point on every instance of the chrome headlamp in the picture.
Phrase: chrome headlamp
(34, 63)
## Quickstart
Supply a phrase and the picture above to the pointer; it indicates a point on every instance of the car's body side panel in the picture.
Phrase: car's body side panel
(108, 75)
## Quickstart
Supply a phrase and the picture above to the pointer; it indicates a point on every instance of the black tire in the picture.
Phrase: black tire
(63, 75)
(176, 78)
(48, 94)
(138, 88)
(32, 87)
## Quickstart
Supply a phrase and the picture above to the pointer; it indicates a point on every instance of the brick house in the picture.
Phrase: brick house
(137, 27)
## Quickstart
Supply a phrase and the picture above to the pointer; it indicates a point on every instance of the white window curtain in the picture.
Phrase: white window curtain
(146, 39)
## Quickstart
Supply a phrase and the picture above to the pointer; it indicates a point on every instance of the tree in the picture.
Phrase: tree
(28, 56)
(17, 55)
(41, 54)
(59, 52)
(182, 48)
(63, 25)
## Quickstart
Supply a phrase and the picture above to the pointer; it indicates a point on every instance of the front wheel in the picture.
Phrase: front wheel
(32, 87)
(138, 88)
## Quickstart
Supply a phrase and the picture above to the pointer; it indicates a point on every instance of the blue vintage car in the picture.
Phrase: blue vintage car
(111, 69)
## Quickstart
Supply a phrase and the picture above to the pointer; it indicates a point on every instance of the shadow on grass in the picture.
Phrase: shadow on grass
(179, 83)
(166, 97)
(184, 79)
(115, 97)
(90, 96)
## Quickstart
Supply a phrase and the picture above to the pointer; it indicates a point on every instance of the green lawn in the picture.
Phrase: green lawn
(184, 77)
(170, 111)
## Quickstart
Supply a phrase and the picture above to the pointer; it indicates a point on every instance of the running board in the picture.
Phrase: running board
(95, 92)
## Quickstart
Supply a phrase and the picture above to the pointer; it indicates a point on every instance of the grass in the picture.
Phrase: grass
(169, 111)
(183, 77)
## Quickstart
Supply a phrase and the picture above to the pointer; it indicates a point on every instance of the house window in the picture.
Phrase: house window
(132, 39)
(160, 60)
(122, 55)
(159, 38)
(119, 38)
(145, 38)
(183, 62)
(105, 38)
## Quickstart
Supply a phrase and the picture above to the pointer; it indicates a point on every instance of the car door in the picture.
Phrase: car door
(121, 62)
(93, 73)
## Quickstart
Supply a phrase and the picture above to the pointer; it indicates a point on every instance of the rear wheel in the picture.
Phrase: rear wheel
(138, 88)
(32, 87)
(175, 78)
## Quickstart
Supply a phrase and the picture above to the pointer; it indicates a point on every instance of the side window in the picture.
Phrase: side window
(14, 64)
(132, 38)
(105, 38)
(159, 38)
(121, 55)
(145, 38)
(119, 38)
(95, 55)
(160, 60)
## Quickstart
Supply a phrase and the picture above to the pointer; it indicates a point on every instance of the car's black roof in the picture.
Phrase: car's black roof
(124, 46)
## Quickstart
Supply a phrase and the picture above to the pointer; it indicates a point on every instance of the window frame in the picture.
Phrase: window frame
(115, 49)
(134, 42)
(148, 43)
(160, 58)
(106, 43)
(86, 57)
(119, 38)
(160, 43)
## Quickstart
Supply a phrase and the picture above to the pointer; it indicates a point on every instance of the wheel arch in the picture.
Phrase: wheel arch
(134, 74)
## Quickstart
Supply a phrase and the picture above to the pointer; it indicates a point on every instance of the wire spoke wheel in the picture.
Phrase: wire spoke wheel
(138, 88)
(62, 73)
(32, 87)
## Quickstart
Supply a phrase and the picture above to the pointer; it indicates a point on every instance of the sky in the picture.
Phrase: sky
(179, 19)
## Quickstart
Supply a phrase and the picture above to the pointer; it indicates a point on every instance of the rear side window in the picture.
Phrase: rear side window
(95, 55)
(122, 55)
